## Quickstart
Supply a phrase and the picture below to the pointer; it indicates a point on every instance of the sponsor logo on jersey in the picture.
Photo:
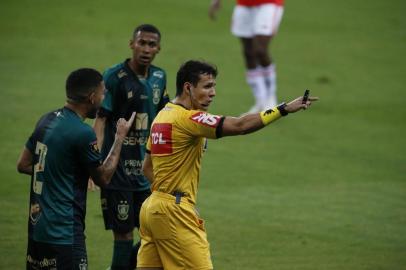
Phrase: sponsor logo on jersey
(133, 167)
(206, 119)
(135, 140)
(58, 113)
(45, 263)
(156, 94)
(121, 74)
(141, 121)
(161, 138)
(158, 74)
(122, 210)
(143, 97)
(35, 213)
(93, 147)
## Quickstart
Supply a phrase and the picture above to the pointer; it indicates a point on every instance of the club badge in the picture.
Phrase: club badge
(156, 94)
(122, 210)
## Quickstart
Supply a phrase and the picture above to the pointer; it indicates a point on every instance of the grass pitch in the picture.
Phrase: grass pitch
(321, 189)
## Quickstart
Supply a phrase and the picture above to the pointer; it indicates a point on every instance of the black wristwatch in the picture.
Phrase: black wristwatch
(281, 107)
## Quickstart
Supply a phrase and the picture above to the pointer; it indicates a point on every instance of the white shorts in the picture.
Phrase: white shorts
(262, 20)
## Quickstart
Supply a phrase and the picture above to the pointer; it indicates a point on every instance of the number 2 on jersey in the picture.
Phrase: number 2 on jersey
(41, 151)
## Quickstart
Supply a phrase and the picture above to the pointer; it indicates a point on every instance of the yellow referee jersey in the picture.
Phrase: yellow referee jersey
(176, 146)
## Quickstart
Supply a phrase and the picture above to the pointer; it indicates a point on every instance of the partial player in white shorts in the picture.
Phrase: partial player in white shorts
(263, 20)
(256, 26)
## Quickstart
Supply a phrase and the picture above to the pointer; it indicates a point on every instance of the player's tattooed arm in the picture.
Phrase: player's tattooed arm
(102, 175)
(24, 163)
(99, 126)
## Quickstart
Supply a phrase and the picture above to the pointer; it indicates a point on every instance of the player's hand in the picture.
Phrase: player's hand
(91, 186)
(214, 8)
(124, 126)
(296, 104)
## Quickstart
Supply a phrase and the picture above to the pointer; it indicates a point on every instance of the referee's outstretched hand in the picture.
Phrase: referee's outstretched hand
(297, 104)
(123, 126)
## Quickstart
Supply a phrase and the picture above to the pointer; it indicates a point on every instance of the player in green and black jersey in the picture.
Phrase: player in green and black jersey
(60, 155)
(133, 85)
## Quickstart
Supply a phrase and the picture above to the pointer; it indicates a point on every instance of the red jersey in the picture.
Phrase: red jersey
(250, 3)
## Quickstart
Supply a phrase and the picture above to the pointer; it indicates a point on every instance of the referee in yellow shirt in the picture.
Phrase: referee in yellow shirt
(172, 233)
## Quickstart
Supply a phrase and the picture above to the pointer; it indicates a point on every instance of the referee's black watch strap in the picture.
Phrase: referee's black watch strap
(282, 109)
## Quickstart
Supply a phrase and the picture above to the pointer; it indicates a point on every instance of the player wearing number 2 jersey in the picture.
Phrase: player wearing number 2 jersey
(172, 233)
(60, 155)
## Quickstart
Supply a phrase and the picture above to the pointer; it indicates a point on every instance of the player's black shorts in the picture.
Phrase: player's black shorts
(44, 256)
(121, 209)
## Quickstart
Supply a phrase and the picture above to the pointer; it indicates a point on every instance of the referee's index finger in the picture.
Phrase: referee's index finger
(313, 98)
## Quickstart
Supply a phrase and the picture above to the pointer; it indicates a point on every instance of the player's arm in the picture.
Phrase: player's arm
(24, 163)
(102, 174)
(255, 121)
(98, 127)
(147, 168)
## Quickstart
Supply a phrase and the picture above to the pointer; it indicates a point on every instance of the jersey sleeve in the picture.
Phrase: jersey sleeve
(32, 140)
(87, 150)
(30, 144)
(148, 146)
(107, 104)
(165, 96)
(202, 124)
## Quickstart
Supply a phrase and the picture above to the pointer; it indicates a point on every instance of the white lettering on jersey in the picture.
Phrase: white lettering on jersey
(157, 138)
(206, 119)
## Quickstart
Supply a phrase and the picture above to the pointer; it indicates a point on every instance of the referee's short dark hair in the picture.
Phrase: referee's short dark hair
(147, 28)
(190, 71)
(81, 83)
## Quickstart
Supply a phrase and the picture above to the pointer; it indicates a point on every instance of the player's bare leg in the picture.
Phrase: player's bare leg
(253, 74)
(264, 59)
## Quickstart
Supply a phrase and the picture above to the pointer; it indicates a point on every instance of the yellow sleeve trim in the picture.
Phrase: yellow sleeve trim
(270, 115)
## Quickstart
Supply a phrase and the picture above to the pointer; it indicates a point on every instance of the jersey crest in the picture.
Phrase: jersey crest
(206, 119)
(156, 94)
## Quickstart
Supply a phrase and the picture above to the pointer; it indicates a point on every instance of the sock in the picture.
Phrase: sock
(256, 82)
(121, 254)
(269, 75)
(133, 257)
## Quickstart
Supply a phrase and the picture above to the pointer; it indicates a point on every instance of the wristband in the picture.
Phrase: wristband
(281, 108)
(270, 115)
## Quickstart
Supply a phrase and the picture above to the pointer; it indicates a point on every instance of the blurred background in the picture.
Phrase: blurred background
(322, 189)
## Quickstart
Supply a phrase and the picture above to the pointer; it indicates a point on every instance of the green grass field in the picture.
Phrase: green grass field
(323, 189)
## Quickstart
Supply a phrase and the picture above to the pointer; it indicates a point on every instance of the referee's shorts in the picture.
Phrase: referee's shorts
(172, 234)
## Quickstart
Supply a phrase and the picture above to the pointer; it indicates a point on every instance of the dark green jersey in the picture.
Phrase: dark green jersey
(63, 149)
(125, 94)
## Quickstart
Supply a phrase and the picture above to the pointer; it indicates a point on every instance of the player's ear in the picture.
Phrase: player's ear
(91, 98)
(131, 43)
(187, 87)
